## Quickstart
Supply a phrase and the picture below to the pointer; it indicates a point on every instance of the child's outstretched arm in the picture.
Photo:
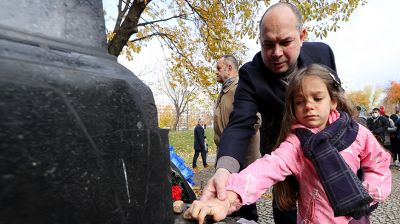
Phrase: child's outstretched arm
(256, 178)
(215, 208)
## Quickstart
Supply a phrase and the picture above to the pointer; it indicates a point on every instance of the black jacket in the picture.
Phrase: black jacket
(378, 127)
(260, 90)
(198, 144)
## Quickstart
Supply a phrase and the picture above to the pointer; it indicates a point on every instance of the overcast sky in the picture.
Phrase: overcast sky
(366, 48)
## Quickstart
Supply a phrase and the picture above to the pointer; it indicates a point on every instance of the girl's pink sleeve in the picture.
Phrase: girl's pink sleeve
(253, 181)
(375, 161)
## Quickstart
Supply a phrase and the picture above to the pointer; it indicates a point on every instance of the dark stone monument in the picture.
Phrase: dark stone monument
(79, 139)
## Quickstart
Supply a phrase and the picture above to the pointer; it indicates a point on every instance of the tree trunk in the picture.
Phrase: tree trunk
(128, 27)
(176, 122)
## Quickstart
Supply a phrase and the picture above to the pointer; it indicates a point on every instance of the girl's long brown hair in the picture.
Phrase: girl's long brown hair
(286, 192)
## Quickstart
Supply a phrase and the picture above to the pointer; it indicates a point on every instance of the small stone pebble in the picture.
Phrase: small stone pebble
(179, 206)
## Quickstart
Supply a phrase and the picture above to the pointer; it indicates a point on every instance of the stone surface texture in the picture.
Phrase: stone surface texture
(79, 140)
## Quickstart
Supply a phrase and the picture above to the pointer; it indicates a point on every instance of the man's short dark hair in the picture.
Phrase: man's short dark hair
(231, 59)
(294, 9)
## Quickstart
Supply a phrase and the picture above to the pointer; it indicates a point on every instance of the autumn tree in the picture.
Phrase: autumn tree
(375, 94)
(180, 92)
(368, 97)
(197, 32)
(359, 98)
(165, 116)
(393, 93)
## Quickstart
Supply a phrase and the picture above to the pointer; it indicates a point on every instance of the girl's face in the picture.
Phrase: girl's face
(312, 104)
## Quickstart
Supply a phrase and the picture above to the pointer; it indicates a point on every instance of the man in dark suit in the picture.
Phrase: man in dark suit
(378, 124)
(198, 145)
(262, 86)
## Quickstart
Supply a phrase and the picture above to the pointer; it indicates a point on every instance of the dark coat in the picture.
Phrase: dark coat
(261, 90)
(378, 127)
(397, 124)
(198, 144)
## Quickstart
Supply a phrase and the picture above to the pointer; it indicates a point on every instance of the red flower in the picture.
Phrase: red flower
(176, 193)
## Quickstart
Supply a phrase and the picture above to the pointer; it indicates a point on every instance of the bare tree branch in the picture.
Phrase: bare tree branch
(195, 10)
(149, 36)
(162, 20)
(121, 13)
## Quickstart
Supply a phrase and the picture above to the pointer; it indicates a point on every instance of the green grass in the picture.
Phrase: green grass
(183, 143)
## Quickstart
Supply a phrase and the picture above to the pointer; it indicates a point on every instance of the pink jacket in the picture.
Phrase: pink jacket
(313, 204)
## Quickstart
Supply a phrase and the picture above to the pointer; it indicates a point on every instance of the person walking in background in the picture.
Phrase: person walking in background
(391, 131)
(261, 88)
(227, 74)
(394, 140)
(397, 124)
(205, 145)
(321, 145)
(198, 145)
(396, 114)
(382, 110)
(360, 115)
(378, 124)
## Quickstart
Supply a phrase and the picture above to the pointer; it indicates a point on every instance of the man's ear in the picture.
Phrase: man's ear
(303, 34)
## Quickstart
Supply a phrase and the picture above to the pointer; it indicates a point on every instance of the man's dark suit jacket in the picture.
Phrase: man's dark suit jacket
(260, 90)
(198, 144)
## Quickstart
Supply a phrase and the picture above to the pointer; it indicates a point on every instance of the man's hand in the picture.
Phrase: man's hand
(216, 186)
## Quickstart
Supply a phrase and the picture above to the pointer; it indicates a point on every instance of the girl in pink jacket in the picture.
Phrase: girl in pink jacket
(323, 148)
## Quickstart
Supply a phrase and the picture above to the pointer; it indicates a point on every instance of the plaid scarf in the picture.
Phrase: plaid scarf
(344, 189)
(225, 85)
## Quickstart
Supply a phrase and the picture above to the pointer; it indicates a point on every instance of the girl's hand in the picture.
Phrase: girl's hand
(215, 208)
